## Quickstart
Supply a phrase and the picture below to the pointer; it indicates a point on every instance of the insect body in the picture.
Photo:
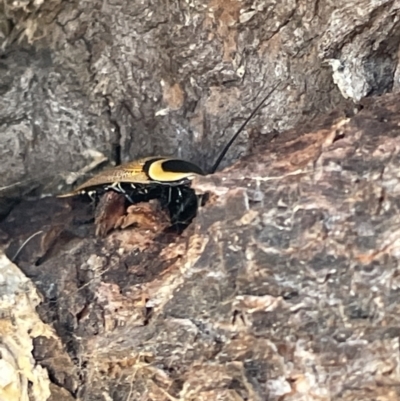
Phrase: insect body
(141, 173)
(164, 178)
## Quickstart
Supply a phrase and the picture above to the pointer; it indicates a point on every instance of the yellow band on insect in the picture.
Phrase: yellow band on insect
(156, 172)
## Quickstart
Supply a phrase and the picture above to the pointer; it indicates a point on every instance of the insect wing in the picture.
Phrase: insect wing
(146, 171)
(131, 172)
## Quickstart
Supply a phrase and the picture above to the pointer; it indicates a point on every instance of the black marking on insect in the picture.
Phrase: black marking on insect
(164, 178)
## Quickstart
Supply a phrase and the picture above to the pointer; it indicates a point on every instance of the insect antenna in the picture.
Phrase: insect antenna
(229, 144)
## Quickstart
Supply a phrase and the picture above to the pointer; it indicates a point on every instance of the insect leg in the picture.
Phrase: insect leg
(113, 187)
(116, 187)
(129, 199)
(184, 207)
(92, 195)
(123, 191)
(180, 202)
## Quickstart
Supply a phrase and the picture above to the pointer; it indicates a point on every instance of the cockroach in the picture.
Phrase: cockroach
(165, 178)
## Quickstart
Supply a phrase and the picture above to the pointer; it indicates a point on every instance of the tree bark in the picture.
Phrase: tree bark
(285, 285)
(129, 79)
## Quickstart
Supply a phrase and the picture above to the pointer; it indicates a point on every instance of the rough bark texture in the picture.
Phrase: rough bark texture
(285, 285)
(130, 79)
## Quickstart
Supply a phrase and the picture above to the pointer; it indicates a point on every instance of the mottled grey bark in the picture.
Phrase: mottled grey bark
(175, 78)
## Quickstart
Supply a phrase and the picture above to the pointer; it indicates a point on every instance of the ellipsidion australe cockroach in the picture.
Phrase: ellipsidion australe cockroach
(165, 178)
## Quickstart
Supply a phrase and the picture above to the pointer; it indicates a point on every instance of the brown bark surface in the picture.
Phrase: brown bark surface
(285, 285)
